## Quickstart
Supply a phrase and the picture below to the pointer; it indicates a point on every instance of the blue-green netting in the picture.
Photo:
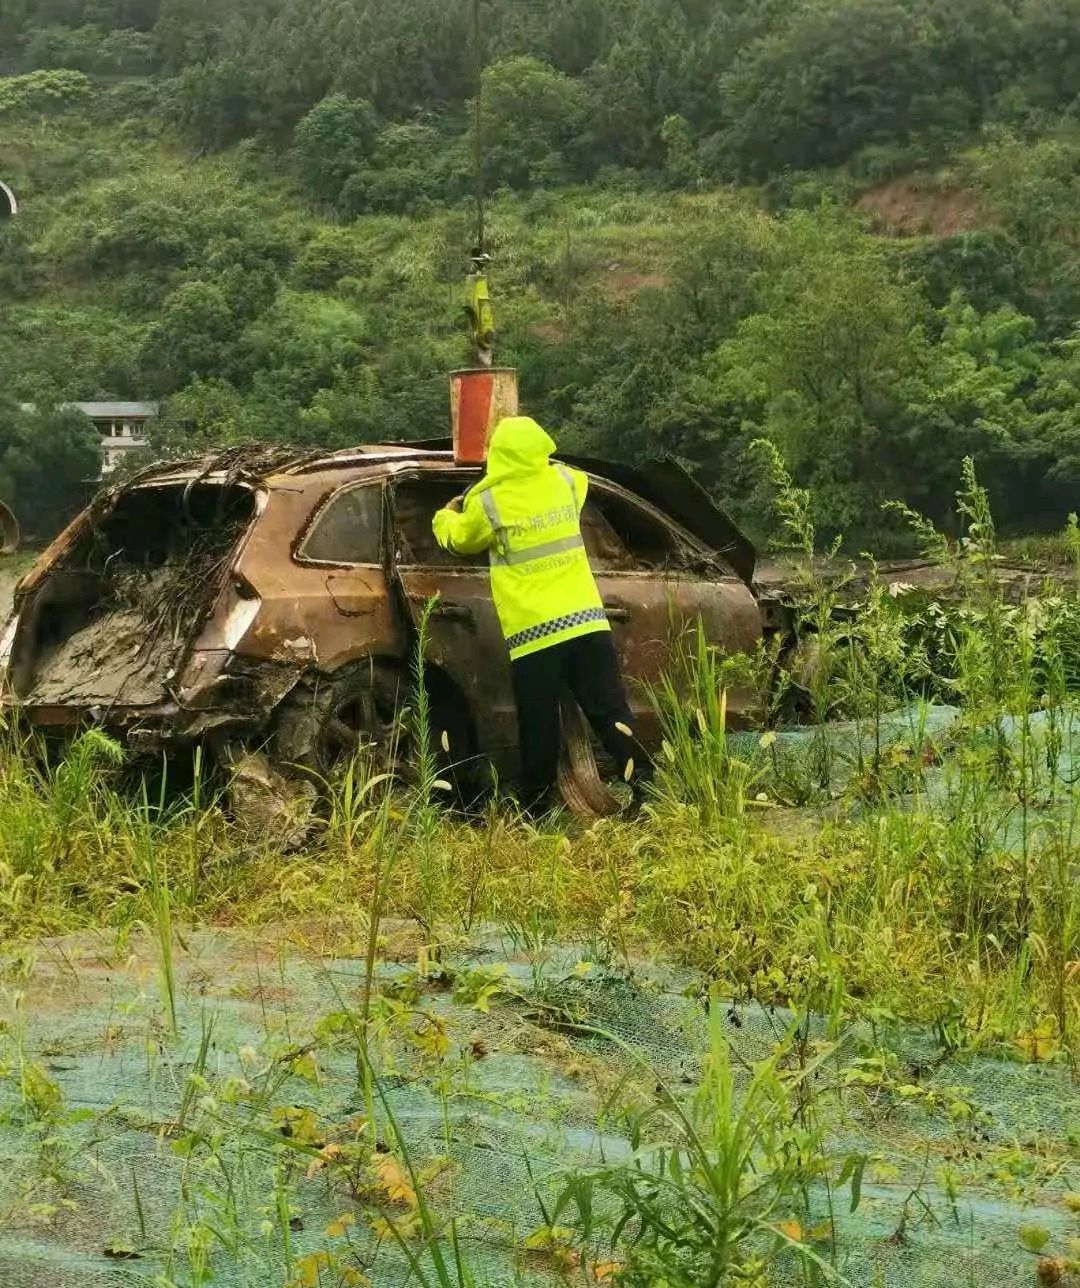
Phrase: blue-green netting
(495, 1110)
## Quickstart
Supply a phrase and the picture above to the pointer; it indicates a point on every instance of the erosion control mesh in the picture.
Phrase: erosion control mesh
(497, 1092)
(242, 1144)
(928, 757)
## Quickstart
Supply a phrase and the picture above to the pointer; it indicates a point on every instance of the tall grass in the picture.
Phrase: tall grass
(715, 1189)
(696, 766)
(937, 882)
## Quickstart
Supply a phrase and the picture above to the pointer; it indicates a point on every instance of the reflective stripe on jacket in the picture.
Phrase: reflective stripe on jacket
(526, 512)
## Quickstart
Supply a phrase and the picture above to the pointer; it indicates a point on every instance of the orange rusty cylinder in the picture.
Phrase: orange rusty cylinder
(479, 399)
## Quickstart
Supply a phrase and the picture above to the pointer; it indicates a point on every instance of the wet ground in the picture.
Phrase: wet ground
(496, 1071)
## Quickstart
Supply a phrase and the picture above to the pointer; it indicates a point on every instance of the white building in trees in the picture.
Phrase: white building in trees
(122, 425)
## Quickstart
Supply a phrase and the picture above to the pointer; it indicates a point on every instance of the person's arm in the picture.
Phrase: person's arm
(463, 528)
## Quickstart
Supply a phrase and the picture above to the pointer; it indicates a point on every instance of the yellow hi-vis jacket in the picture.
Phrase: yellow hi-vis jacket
(526, 512)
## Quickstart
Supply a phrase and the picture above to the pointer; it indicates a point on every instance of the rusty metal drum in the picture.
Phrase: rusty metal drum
(479, 399)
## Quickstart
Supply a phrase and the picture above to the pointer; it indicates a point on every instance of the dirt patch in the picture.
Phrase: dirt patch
(914, 207)
(550, 332)
(623, 281)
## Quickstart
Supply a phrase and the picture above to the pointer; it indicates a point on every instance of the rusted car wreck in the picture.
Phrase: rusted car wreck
(271, 601)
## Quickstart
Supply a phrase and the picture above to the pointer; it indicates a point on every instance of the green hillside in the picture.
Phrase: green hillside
(849, 226)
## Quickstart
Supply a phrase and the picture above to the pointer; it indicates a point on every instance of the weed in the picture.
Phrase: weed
(696, 766)
(714, 1191)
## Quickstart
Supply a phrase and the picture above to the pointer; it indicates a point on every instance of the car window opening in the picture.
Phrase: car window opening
(114, 619)
(415, 503)
(349, 529)
(621, 535)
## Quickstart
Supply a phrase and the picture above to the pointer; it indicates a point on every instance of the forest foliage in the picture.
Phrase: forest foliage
(846, 225)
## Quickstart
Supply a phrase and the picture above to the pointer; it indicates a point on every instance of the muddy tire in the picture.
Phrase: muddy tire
(583, 790)
(279, 808)
(327, 720)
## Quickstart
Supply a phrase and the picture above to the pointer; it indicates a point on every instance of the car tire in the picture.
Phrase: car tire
(328, 719)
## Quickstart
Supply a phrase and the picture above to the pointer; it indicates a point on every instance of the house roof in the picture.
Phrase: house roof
(119, 410)
(111, 410)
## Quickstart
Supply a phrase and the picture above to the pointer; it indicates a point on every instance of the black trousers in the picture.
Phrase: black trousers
(587, 667)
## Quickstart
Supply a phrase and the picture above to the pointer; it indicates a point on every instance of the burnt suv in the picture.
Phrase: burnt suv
(266, 601)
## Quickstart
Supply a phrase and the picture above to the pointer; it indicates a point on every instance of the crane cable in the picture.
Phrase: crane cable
(477, 293)
(478, 128)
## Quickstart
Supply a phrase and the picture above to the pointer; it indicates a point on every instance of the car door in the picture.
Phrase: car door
(464, 637)
(657, 584)
(316, 570)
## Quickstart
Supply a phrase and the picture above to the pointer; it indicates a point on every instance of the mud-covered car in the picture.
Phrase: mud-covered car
(266, 601)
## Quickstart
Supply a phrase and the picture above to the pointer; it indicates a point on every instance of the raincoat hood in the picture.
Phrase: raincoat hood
(518, 446)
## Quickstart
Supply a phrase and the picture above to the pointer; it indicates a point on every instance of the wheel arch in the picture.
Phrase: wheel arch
(451, 709)
(446, 694)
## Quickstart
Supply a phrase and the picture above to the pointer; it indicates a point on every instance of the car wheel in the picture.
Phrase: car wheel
(325, 722)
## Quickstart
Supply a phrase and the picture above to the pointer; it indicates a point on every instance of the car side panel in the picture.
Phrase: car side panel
(649, 613)
(466, 642)
(313, 615)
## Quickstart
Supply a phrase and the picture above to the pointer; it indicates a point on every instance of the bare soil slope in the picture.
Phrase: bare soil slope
(916, 206)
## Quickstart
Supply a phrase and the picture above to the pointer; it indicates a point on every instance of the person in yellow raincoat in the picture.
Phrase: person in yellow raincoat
(526, 512)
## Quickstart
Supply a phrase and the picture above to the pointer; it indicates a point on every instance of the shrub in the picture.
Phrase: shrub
(43, 91)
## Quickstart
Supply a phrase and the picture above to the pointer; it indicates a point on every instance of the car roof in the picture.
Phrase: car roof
(665, 484)
(267, 466)
(379, 454)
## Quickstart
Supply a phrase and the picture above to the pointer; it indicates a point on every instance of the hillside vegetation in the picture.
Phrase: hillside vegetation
(846, 225)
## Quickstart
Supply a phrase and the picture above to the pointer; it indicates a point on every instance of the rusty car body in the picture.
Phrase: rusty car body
(269, 600)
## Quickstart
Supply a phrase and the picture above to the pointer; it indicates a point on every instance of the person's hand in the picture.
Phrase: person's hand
(457, 504)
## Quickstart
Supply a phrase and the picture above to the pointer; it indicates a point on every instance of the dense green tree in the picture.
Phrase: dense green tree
(532, 116)
(49, 460)
(43, 91)
(89, 49)
(1050, 32)
(193, 337)
(821, 370)
(1056, 401)
(333, 142)
(414, 167)
(204, 415)
(215, 101)
(682, 164)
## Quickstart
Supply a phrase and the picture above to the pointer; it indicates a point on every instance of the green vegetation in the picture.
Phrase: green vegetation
(49, 457)
(891, 905)
(263, 214)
